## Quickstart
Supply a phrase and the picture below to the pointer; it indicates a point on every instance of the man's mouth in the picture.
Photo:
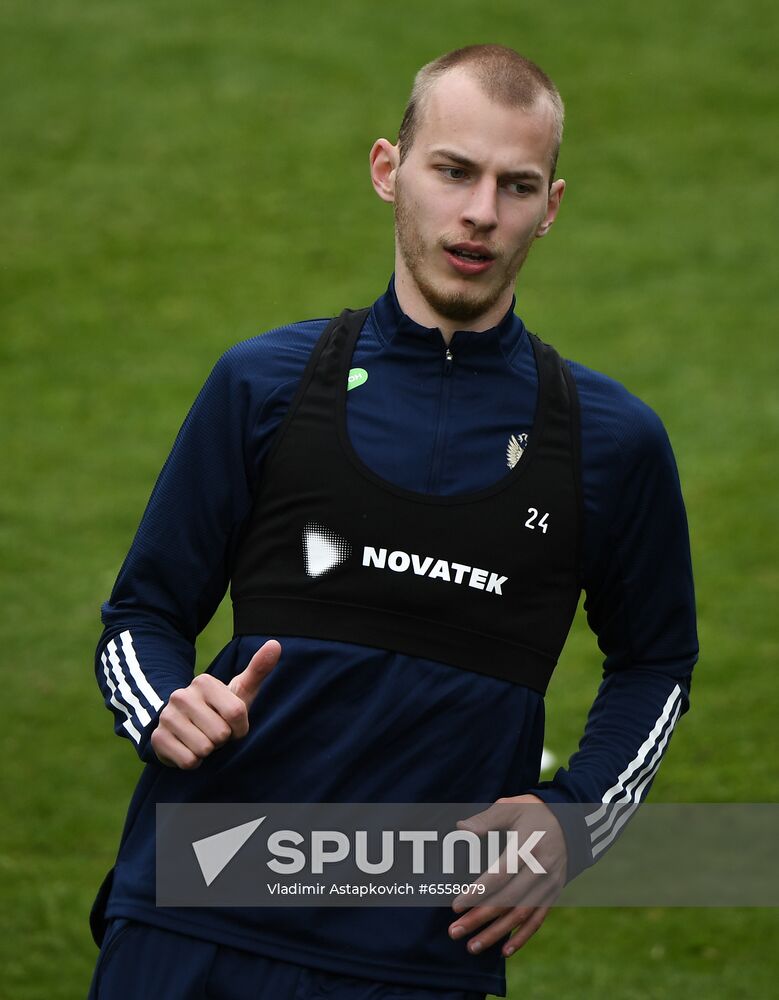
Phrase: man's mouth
(469, 259)
(470, 253)
(466, 255)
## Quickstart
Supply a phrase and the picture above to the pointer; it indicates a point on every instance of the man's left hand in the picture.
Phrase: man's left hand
(519, 922)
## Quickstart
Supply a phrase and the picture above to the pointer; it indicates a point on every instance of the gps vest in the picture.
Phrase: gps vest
(486, 581)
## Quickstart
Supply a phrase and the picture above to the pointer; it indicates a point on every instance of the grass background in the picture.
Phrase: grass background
(177, 176)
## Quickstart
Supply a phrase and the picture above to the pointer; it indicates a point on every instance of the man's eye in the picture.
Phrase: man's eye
(518, 188)
(453, 173)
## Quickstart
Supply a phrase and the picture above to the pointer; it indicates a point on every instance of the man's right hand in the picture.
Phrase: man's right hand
(206, 714)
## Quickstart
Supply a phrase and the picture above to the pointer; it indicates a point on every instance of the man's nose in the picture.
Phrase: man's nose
(481, 207)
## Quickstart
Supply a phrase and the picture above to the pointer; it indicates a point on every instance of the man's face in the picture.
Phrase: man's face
(470, 197)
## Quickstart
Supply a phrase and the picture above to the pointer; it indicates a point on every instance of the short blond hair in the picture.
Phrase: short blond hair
(504, 75)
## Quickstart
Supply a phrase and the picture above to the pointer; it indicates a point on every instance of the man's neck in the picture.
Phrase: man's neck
(416, 307)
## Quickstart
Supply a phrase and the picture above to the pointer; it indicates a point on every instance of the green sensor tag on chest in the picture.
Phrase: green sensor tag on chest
(357, 376)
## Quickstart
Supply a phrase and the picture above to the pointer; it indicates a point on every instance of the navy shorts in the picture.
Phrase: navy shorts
(141, 962)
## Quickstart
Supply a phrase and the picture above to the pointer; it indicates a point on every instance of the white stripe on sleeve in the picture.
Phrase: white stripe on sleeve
(638, 790)
(118, 704)
(617, 827)
(633, 789)
(124, 688)
(649, 744)
(138, 675)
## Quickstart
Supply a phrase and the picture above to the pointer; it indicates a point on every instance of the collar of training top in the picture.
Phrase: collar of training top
(392, 322)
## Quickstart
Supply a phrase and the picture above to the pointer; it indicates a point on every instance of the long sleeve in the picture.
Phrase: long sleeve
(178, 567)
(640, 605)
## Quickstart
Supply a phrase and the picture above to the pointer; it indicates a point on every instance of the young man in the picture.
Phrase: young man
(396, 678)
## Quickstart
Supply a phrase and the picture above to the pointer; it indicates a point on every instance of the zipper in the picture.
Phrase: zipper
(441, 423)
(448, 361)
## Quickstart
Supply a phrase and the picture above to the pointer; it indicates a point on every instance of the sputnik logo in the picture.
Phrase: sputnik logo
(216, 852)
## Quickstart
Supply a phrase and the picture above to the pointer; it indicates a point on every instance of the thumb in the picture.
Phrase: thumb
(503, 814)
(491, 818)
(247, 683)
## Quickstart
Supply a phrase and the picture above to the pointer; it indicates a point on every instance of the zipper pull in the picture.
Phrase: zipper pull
(448, 361)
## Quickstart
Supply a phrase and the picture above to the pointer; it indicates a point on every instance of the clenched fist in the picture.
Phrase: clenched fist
(206, 714)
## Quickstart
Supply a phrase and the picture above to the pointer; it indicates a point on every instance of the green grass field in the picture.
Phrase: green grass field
(179, 176)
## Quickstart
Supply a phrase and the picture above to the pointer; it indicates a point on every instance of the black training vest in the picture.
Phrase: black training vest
(486, 581)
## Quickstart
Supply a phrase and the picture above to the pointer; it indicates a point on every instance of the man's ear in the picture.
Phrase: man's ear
(385, 159)
(556, 192)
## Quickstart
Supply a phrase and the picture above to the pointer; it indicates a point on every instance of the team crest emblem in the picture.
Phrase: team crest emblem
(515, 450)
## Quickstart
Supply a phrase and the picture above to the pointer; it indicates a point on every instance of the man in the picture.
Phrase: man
(354, 526)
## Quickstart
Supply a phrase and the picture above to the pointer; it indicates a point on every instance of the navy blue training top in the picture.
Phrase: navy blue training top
(341, 722)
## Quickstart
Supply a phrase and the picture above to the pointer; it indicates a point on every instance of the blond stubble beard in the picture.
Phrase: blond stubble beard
(461, 307)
